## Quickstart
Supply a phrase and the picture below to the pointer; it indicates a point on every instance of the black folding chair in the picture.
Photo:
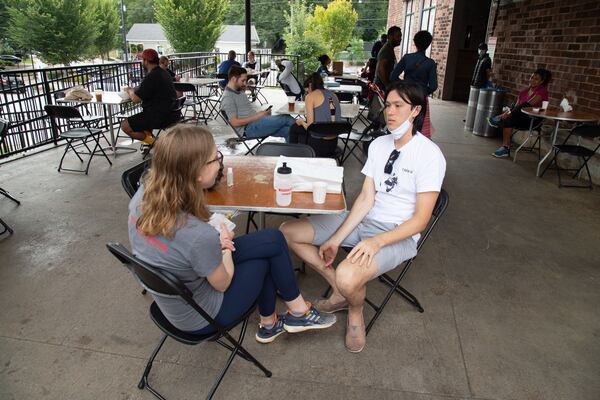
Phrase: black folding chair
(4, 125)
(131, 178)
(578, 150)
(82, 133)
(394, 284)
(91, 119)
(241, 137)
(163, 283)
(192, 100)
(260, 85)
(327, 130)
(535, 131)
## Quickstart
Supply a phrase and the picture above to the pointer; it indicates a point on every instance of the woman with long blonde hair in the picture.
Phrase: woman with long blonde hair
(168, 229)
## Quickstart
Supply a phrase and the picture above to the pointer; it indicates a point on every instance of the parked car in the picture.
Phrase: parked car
(8, 57)
(12, 83)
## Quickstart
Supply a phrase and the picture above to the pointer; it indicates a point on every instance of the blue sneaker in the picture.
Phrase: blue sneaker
(501, 152)
(264, 335)
(313, 319)
(494, 122)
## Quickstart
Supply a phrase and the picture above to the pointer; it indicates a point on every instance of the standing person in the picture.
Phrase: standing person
(225, 65)
(531, 96)
(482, 74)
(244, 116)
(419, 68)
(386, 58)
(158, 98)
(321, 105)
(378, 45)
(403, 177)
(169, 229)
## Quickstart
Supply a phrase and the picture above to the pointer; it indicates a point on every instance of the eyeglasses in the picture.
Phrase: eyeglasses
(390, 162)
(218, 158)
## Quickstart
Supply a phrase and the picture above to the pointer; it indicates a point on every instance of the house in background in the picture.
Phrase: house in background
(152, 36)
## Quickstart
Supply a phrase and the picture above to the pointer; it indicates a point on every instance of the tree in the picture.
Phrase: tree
(108, 22)
(267, 17)
(334, 25)
(62, 31)
(372, 19)
(299, 39)
(138, 11)
(191, 25)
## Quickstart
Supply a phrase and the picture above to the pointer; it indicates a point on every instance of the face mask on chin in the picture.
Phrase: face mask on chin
(400, 131)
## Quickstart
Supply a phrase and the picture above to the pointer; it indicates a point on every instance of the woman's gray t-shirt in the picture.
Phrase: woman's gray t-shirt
(191, 255)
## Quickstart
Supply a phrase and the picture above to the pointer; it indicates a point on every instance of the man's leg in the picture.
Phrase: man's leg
(300, 235)
(135, 128)
(271, 125)
(351, 280)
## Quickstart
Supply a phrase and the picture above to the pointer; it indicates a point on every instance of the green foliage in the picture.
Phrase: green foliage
(108, 22)
(191, 25)
(334, 25)
(138, 11)
(299, 39)
(355, 53)
(62, 31)
(267, 16)
(373, 19)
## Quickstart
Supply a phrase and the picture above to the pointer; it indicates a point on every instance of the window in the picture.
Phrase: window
(428, 18)
(406, 32)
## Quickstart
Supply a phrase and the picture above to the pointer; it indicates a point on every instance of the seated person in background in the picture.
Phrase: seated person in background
(250, 63)
(368, 71)
(225, 65)
(243, 115)
(403, 177)
(419, 68)
(325, 63)
(164, 64)
(158, 98)
(287, 78)
(322, 105)
(378, 45)
(530, 96)
(168, 229)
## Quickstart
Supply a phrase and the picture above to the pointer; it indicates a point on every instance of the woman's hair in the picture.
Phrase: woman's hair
(422, 40)
(163, 59)
(324, 59)
(414, 94)
(545, 75)
(171, 186)
(314, 82)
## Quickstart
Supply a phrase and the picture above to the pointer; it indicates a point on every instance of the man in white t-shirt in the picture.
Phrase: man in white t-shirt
(403, 177)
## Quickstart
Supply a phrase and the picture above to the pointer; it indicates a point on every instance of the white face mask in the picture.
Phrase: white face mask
(400, 131)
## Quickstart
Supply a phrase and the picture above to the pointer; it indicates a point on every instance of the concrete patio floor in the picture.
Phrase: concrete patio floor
(510, 283)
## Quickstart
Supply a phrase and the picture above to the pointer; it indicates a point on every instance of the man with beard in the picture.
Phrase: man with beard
(158, 98)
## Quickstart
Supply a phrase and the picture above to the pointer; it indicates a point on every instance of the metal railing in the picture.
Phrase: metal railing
(24, 93)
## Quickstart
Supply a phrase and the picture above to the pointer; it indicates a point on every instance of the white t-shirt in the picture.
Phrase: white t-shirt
(420, 167)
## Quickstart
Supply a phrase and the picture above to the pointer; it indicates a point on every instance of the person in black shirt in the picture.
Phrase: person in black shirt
(378, 45)
(158, 98)
(483, 68)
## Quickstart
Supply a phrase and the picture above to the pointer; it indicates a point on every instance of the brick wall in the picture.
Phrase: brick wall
(441, 32)
(563, 37)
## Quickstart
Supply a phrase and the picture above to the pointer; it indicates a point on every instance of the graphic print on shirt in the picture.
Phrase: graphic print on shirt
(391, 182)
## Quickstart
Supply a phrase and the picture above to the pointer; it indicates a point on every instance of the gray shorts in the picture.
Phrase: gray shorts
(387, 258)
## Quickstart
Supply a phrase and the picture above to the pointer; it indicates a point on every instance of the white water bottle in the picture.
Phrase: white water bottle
(283, 191)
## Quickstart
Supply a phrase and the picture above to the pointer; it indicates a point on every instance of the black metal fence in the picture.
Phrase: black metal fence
(24, 93)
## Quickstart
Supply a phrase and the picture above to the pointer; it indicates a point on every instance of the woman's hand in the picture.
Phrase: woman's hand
(300, 122)
(226, 237)
(364, 252)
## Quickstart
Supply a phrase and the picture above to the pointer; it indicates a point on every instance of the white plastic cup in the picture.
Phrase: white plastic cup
(319, 192)
(545, 105)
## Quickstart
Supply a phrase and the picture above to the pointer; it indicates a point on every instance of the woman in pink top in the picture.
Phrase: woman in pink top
(531, 96)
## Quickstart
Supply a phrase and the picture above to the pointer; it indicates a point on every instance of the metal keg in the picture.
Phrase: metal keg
(471, 108)
(489, 104)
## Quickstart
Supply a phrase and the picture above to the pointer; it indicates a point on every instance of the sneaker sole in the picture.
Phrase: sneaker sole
(269, 339)
(298, 329)
(502, 156)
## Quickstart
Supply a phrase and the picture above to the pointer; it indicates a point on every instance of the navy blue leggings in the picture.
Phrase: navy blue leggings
(263, 267)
